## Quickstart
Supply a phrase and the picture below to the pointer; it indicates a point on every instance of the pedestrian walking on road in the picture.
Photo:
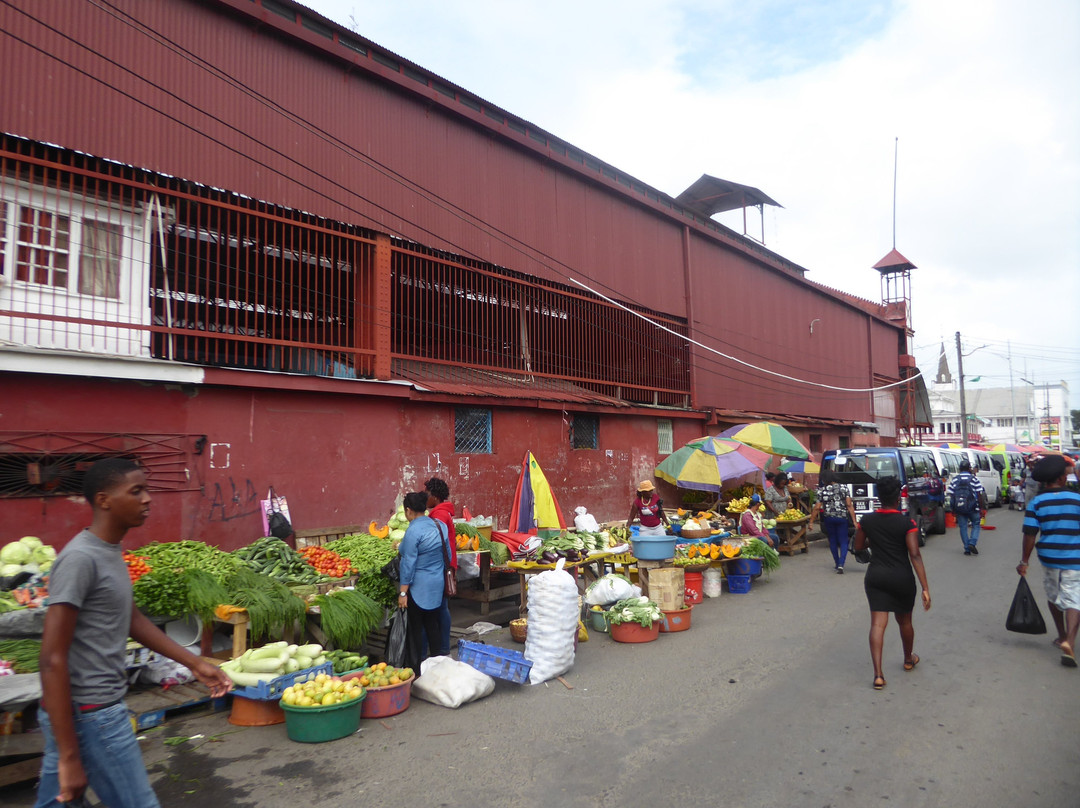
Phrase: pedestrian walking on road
(1052, 528)
(967, 500)
(893, 539)
(89, 740)
(834, 501)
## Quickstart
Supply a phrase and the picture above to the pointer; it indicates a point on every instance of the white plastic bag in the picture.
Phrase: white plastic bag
(164, 671)
(611, 588)
(710, 582)
(585, 520)
(468, 567)
(450, 683)
(553, 623)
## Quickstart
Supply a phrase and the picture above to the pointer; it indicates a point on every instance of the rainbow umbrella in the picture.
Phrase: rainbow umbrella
(999, 448)
(770, 438)
(535, 506)
(800, 467)
(705, 464)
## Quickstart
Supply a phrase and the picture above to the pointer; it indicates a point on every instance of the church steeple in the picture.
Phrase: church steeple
(943, 374)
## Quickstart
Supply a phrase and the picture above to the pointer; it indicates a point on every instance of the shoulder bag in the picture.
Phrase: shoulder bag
(449, 573)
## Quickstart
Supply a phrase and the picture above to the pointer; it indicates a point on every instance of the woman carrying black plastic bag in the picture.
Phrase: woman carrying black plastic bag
(420, 590)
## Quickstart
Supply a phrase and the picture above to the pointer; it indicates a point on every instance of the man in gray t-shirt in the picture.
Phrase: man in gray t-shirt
(89, 740)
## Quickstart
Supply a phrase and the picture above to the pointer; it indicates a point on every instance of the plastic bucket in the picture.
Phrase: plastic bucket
(185, 632)
(711, 582)
(692, 593)
(598, 621)
(950, 519)
(319, 724)
(676, 620)
(255, 712)
(653, 548)
(744, 566)
(634, 632)
(738, 584)
(381, 702)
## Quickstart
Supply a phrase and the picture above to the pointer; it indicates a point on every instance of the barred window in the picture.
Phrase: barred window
(585, 431)
(472, 430)
(41, 247)
(665, 436)
(99, 259)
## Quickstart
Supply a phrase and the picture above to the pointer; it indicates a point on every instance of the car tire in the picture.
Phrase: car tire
(920, 523)
(939, 521)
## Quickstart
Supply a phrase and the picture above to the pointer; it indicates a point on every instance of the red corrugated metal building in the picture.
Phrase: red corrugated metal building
(254, 249)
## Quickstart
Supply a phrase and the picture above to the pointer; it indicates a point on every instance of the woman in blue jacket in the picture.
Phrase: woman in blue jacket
(423, 552)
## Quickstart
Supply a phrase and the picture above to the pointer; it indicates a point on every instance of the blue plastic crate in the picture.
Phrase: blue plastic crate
(275, 687)
(502, 663)
(738, 584)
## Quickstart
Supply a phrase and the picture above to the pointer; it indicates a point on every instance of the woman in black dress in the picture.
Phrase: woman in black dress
(893, 539)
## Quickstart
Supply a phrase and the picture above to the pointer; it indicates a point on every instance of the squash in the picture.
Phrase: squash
(476, 543)
(378, 532)
(682, 512)
(731, 550)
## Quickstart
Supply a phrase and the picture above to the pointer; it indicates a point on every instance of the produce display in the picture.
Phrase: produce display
(499, 552)
(347, 616)
(466, 536)
(740, 504)
(189, 555)
(178, 592)
(271, 661)
(322, 691)
(137, 565)
(275, 559)
(398, 524)
(27, 554)
(8, 602)
(22, 654)
(368, 555)
(345, 661)
(756, 548)
(791, 515)
(573, 546)
(639, 610)
(327, 562)
(269, 604)
(383, 675)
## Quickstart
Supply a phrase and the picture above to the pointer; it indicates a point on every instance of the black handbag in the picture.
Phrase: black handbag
(277, 522)
(1024, 615)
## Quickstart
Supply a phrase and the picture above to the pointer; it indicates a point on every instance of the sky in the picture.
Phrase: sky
(972, 105)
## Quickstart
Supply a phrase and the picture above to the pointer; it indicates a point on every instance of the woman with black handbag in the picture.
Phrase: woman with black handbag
(893, 539)
(422, 579)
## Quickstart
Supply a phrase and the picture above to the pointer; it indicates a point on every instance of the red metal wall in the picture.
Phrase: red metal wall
(339, 458)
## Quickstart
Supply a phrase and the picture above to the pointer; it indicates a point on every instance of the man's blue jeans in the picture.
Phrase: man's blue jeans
(110, 756)
(969, 521)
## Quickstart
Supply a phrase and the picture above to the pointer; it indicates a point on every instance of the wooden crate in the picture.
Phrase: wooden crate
(321, 536)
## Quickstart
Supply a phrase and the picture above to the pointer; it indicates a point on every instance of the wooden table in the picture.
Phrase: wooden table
(485, 593)
(792, 535)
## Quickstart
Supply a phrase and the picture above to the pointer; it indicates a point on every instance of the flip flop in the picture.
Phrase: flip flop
(879, 683)
(910, 666)
(1067, 657)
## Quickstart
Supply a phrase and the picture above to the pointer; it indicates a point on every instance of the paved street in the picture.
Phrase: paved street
(766, 701)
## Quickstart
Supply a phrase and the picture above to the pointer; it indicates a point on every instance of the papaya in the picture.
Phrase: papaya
(378, 532)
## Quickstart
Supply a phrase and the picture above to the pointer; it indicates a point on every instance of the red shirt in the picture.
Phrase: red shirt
(444, 512)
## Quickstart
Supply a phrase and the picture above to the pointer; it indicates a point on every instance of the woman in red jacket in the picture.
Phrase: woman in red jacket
(439, 509)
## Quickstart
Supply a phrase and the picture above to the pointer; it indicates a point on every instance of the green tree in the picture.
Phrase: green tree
(1075, 415)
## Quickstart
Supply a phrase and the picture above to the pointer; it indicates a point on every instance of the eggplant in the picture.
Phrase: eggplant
(549, 556)
(573, 555)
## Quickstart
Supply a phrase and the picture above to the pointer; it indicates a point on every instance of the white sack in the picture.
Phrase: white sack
(710, 582)
(553, 622)
(450, 683)
(585, 520)
(609, 589)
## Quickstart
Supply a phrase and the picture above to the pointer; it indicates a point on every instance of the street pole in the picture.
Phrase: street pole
(1012, 393)
(963, 404)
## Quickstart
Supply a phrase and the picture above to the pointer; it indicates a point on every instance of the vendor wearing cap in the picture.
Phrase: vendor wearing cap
(649, 509)
(750, 522)
(1053, 517)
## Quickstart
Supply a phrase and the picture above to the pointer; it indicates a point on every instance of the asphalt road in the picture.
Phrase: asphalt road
(765, 701)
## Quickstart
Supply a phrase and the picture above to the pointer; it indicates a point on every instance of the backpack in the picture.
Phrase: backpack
(962, 498)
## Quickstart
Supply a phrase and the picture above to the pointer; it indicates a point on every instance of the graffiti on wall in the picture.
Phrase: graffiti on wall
(230, 501)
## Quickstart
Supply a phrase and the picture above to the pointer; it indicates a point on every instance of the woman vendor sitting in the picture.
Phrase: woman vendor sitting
(750, 522)
(648, 507)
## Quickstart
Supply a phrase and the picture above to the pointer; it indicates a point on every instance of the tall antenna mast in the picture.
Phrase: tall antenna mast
(896, 152)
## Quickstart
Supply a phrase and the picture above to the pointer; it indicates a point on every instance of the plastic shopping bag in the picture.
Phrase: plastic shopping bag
(1024, 615)
(395, 639)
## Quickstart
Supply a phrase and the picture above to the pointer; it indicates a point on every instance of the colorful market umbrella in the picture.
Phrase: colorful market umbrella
(535, 507)
(800, 467)
(705, 464)
(768, 437)
(999, 448)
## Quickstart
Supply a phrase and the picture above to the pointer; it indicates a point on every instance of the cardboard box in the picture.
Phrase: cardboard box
(667, 587)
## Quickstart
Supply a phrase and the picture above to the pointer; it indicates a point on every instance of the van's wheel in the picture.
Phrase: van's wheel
(920, 522)
(939, 521)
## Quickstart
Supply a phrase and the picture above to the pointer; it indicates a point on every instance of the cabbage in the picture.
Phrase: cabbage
(10, 570)
(31, 541)
(14, 553)
(397, 535)
(43, 553)
(45, 566)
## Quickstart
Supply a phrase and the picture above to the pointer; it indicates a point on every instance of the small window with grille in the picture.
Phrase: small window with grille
(472, 430)
(665, 436)
(585, 431)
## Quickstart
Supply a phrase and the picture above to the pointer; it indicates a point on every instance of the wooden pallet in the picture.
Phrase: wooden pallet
(149, 708)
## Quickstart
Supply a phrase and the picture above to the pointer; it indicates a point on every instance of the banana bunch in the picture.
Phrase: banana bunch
(738, 505)
(617, 535)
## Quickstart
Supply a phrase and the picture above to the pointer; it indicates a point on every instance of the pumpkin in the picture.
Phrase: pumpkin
(476, 543)
(731, 550)
(378, 532)
(682, 512)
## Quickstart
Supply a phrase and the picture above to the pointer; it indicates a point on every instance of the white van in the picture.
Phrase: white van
(982, 466)
(948, 460)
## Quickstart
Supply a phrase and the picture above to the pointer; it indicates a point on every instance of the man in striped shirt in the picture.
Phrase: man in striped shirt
(1054, 517)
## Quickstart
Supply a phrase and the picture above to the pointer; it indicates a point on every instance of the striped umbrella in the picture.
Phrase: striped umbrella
(770, 438)
(800, 467)
(707, 463)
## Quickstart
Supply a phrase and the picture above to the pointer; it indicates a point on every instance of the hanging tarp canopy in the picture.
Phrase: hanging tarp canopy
(534, 508)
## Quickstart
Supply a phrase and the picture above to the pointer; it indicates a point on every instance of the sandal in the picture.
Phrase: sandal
(1068, 659)
(879, 683)
(910, 665)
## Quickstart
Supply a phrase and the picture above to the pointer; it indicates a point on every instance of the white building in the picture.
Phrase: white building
(1031, 413)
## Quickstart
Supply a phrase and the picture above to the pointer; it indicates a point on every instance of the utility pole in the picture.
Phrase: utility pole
(1012, 393)
(963, 404)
